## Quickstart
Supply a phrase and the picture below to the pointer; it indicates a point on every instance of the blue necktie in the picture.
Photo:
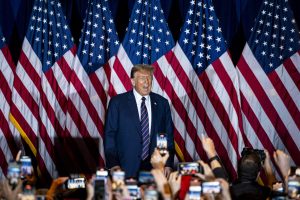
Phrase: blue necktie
(145, 129)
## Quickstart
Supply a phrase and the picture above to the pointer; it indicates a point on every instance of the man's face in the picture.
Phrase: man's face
(142, 82)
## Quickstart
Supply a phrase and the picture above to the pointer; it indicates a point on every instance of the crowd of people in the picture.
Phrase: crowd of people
(211, 182)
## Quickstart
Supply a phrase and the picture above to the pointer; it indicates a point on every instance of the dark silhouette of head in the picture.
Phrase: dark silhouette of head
(249, 167)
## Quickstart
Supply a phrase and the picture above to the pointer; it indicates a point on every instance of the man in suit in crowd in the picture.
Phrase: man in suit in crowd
(133, 120)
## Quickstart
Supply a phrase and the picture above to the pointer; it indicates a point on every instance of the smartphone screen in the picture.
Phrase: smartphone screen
(101, 173)
(146, 178)
(194, 192)
(151, 194)
(26, 166)
(118, 179)
(189, 168)
(294, 188)
(162, 143)
(75, 183)
(134, 191)
(13, 173)
(212, 187)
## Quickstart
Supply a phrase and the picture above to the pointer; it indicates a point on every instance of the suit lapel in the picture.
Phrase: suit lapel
(132, 105)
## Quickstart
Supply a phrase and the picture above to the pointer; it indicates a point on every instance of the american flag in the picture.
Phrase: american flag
(148, 40)
(8, 137)
(269, 81)
(202, 84)
(90, 79)
(41, 84)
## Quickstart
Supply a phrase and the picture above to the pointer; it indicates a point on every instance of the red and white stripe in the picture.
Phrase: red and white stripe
(8, 136)
(270, 104)
(120, 73)
(208, 103)
(192, 107)
(39, 102)
(88, 102)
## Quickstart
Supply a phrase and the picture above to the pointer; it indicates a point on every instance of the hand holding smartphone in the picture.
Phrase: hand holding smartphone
(189, 168)
(162, 143)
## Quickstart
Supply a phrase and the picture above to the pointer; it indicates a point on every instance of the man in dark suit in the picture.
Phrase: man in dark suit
(133, 121)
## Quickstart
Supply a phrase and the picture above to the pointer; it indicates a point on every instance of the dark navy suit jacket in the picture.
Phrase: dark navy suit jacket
(122, 140)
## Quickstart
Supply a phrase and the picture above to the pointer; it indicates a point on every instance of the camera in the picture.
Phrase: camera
(162, 143)
(260, 152)
(189, 168)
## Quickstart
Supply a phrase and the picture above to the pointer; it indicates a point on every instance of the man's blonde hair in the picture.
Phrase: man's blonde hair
(141, 67)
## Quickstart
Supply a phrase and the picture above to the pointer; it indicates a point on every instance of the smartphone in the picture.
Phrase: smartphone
(194, 192)
(102, 174)
(151, 194)
(75, 183)
(100, 184)
(146, 178)
(133, 189)
(118, 179)
(212, 187)
(26, 166)
(99, 189)
(13, 173)
(162, 143)
(294, 188)
(189, 168)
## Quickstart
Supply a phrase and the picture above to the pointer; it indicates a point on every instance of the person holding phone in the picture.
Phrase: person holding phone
(133, 121)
